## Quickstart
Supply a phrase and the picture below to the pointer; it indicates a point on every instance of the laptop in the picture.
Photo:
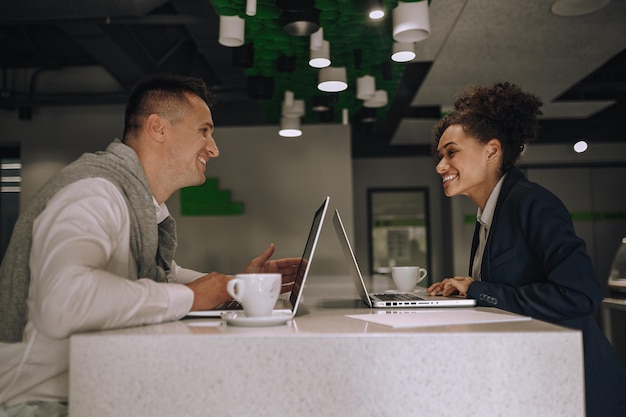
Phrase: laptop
(284, 305)
(389, 299)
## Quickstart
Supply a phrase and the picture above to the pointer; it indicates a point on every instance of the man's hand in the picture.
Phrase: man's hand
(209, 291)
(287, 267)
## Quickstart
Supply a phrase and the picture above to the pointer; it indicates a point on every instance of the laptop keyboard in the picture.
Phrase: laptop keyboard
(229, 305)
(398, 297)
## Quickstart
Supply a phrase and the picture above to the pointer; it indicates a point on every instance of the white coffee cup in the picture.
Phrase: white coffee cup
(257, 293)
(407, 277)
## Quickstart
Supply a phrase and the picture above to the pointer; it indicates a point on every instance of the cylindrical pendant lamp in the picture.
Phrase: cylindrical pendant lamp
(243, 56)
(286, 63)
(251, 7)
(320, 58)
(290, 127)
(232, 30)
(345, 117)
(320, 103)
(296, 109)
(365, 87)
(411, 22)
(295, 5)
(403, 51)
(368, 115)
(260, 87)
(289, 98)
(379, 100)
(301, 23)
(317, 40)
(332, 79)
(376, 10)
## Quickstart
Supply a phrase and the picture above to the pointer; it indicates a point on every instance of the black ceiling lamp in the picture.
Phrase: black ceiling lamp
(387, 70)
(320, 103)
(326, 116)
(301, 22)
(243, 56)
(368, 115)
(260, 87)
(358, 58)
(285, 63)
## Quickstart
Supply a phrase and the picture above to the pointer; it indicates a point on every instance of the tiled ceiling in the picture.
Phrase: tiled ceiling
(92, 51)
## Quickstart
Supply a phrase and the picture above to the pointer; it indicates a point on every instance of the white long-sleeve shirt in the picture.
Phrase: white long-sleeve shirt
(83, 278)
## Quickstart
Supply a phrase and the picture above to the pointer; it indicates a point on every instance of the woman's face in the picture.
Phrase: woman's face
(468, 166)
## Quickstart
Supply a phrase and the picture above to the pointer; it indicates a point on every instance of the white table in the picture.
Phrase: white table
(325, 364)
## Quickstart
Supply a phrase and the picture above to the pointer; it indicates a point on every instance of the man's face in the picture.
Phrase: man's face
(191, 144)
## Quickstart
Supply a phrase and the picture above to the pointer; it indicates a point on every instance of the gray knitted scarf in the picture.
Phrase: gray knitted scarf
(151, 245)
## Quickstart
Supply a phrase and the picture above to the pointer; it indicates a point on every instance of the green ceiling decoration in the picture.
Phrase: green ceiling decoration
(346, 26)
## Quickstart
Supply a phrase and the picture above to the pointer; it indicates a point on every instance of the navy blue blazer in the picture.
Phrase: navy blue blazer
(535, 265)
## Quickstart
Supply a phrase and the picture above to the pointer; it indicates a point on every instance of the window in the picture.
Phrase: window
(10, 187)
(398, 222)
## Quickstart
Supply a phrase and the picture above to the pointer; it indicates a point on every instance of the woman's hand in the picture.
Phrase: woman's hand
(451, 286)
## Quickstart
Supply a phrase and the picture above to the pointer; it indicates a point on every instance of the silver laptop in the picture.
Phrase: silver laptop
(283, 305)
(391, 299)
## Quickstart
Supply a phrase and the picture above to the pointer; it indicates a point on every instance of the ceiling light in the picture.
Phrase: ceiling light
(368, 115)
(411, 22)
(379, 100)
(243, 56)
(376, 10)
(301, 23)
(403, 51)
(295, 5)
(569, 8)
(320, 58)
(326, 116)
(376, 14)
(580, 146)
(251, 7)
(260, 87)
(296, 109)
(289, 97)
(320, 104)
(365, 87)
(292, 109)
(332, 79)
(317, 40)
(345, 117)
(286, 63)
(232, 29)
(290, 127)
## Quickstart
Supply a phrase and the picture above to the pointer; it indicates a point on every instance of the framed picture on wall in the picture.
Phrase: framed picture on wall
(398, 228)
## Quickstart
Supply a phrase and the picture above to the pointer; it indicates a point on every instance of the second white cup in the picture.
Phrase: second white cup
(257, 293)
(407, 277)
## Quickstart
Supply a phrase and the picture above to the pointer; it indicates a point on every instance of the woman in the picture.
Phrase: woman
(526, 257)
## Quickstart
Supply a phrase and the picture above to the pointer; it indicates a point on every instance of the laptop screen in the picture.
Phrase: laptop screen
(307, 256)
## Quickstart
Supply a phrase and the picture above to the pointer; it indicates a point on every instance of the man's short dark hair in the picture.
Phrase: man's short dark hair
(162, 94)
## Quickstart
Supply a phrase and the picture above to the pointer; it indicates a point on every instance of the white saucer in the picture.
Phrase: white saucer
(241, 320)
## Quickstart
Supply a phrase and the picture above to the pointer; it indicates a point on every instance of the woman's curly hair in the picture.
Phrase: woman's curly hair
(502, 111)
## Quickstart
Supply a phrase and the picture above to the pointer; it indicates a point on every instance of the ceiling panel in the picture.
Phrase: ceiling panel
(86, 52)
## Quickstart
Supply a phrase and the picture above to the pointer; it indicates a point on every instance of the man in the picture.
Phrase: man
(94, 250)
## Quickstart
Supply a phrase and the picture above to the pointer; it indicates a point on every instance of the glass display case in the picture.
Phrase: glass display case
(617, 276)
